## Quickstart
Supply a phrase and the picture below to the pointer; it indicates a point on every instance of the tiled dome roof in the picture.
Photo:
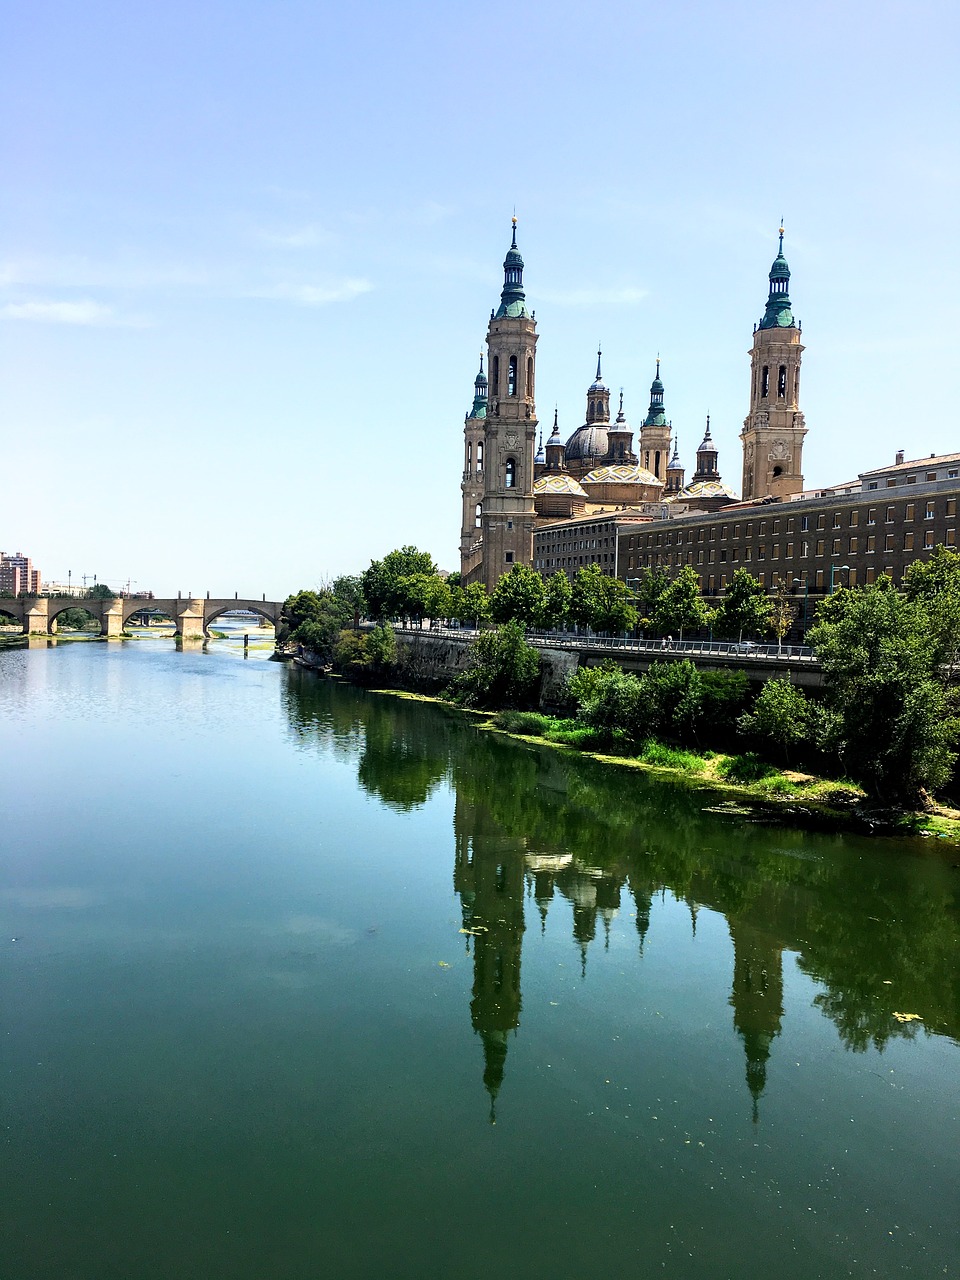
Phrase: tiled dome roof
(558, 484)
(622, 473)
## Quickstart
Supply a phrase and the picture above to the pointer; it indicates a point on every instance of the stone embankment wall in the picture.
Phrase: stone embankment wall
(426, 660)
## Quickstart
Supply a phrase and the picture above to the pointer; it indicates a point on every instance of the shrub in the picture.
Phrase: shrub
(524, 722)
(504, 670)
(615, 704)
(779, 719)
(745, 768)
(670, 758)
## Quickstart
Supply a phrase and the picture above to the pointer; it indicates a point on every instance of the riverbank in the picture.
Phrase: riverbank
(780, 796)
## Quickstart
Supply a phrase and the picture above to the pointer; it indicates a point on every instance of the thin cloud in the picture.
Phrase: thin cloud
(312, 295)
(82, 312)
(132, 272)
(310, 236)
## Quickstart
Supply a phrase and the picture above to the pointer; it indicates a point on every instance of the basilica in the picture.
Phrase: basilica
(516, 486)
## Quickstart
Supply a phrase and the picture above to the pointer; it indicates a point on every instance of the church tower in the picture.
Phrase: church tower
(773, 430)
(655, 432)
(507, 515)
(471, 485)
(675, 473)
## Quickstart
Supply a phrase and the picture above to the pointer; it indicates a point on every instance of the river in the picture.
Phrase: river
(299, 980)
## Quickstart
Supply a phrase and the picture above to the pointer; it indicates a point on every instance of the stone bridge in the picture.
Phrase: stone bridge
(190, 616)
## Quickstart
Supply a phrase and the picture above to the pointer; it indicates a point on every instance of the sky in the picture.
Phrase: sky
(248, 252)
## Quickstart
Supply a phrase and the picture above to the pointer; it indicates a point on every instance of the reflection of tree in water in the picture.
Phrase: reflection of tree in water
(860, 914)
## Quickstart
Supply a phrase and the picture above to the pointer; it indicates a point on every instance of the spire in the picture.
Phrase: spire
(512, 299)
(479, 409)
(656, 416)
(556, 428)
(540, 457)
(778, 314)
(599, 375)
(620, 417)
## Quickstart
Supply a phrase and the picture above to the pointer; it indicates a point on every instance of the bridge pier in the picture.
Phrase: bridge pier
(36, 619)
(190, 620)
(111, 619)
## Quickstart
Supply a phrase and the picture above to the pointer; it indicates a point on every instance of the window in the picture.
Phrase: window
(835, 547)
(910, 510)
(723, 555)
(927, 539)
(891, 483)
(479, 456)
(951, 506)
(763, 528)
(821, 521)
(872, 484)
(853, 546)
(871, 576)
(511, 473)
(790, 525)
(871, 543)
(776, 526)
(888, 542)
(820, 546)
(782, 381)
(530, 377)
(871, 515)
(747, 553)
(891, 512)
(750, 530)
(765, 382)
(495, 376)
(509, 524)
(477, 513)
(804, 523)
(908, 541)
(911, 479)
(699, 557)
(508, 557)
(929, 510)
(836, 519)
(854, 519)
(952, 475)
(789, 550)
(469, 456)
(761, 553)
(804, 548)
(950, 540)
(775, 553)
(512, 376)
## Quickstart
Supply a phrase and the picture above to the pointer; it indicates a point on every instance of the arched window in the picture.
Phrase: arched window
(495, 376)
(777, 471)
(765, 381)
(796, 387)
(479, 456)
(511, 473)
(477, 513)
(469, 456)
(529, 388)
(512, 377)
(782, 381)
(656, 464)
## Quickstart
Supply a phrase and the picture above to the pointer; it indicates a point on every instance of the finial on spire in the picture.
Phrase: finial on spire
(514, 222)
(621, 401)
(481, 362)
(555, 427)
(658, 364)
(598, 361)
(781, 235)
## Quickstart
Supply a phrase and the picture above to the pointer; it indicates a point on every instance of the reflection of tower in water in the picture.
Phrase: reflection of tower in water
(489, 877)
(757, 1000)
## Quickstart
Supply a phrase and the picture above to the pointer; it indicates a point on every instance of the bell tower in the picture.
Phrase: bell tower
(774, 429)
(655, 432)
(471, 485)
(507, 515)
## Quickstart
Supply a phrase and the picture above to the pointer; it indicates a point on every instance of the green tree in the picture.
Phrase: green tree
(896, 722)
(349, 589)
(935, 584)
(422, 595)
(779, 719)
(650, 586)
(519, 595)
(782, 613)
(504, 670)
(556, 605)
(470, 604)
(601, 602)
(743, 609)
(380, 582)
(100, 591)
(74, 620)
(681, 606)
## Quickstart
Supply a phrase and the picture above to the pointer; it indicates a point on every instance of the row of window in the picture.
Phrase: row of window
(512, 378)
(855, 546)
(728, 532)
(892, 481)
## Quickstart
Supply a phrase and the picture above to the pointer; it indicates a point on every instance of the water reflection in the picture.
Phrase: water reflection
(873, 922)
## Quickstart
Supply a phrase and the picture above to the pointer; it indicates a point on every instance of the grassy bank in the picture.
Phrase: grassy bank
(738, 784)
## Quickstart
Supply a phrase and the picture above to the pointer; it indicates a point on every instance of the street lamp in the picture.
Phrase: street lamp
(806, 597)
(843, 568)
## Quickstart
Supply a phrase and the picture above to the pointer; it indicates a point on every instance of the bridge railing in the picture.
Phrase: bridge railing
(744, 650)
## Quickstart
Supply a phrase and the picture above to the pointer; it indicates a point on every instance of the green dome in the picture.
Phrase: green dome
(778, 313)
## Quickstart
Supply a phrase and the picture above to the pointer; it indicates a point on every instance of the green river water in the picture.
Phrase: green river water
(300, 981)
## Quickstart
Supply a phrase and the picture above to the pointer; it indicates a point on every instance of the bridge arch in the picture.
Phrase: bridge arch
(60, 604)
(166, 608)
(261, 609)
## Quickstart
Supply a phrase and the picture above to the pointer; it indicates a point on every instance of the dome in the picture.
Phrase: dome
(622, 473)
(779, 270)
(562, 484)
(700, 489)
(588, 441)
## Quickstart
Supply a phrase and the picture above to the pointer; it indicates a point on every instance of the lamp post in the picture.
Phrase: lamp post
(843, 568)
(806, 596)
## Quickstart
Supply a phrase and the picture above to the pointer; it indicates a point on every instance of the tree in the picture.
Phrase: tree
(519, 595)
(422, 595)
(743, 608)
(556, 605)
(896, 722)
(504, 670)
(380, 582)
(935, 584)
(650, 587)
(349, 589)
(779, 718)
(782, 613)
(470, 604)
(100, 591)
(681, 607)
(601, 602)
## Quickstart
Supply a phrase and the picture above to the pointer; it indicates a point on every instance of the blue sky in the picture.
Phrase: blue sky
(248, 252)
